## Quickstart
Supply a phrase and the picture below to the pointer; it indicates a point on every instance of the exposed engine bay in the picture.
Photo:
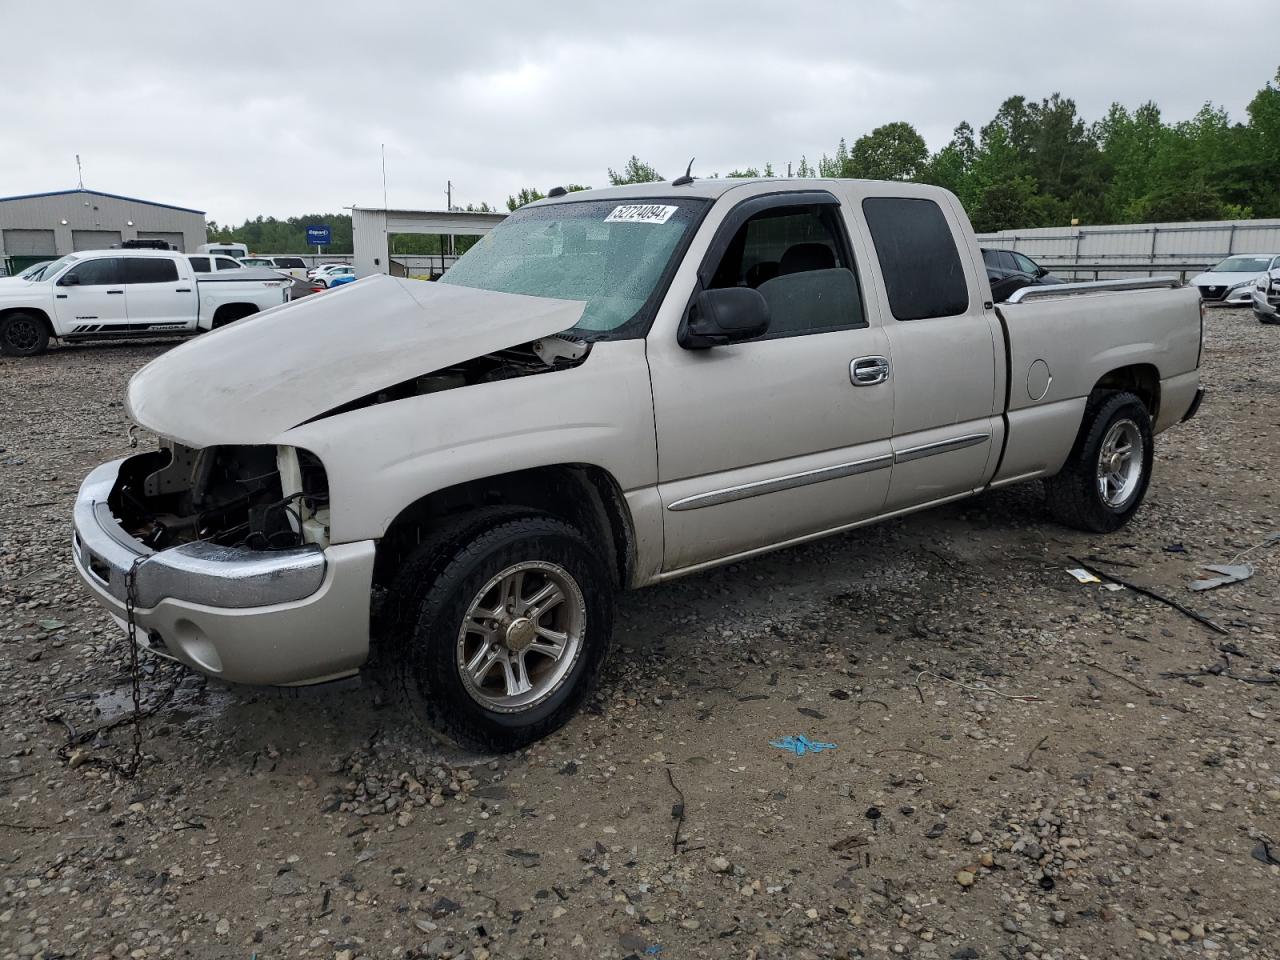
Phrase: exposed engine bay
(558, 352)
(255, 497)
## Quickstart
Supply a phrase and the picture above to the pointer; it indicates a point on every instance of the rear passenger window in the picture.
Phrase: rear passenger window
(138, 270)
(798, 259)
(199, 264)
(226, 263)
(290, 263)
(918, 257)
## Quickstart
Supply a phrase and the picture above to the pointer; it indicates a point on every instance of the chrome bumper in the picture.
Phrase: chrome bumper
(265, 617)
(197, 572)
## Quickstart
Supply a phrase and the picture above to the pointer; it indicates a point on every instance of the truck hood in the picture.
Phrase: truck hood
(248, 382)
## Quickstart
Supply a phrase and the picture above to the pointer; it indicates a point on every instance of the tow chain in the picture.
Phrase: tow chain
(135, 682)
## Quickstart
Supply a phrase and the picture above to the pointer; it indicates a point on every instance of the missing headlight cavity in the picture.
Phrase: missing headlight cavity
(558, 352)
(257, 497)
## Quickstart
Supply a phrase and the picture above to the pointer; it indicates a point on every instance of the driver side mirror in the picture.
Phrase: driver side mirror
(722, 316)
(70, 280)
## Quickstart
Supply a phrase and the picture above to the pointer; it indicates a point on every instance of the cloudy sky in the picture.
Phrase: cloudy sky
(280, 109)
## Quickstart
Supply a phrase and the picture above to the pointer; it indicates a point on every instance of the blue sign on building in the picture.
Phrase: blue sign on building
(319, 235)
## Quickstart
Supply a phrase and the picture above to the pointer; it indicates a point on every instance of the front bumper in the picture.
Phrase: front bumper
(1222, 297)
(1264, 305)
(246, 616)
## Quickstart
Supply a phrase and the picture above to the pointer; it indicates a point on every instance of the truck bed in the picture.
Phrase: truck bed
(1062, 340)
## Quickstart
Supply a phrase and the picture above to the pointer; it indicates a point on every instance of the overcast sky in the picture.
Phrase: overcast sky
(280, 109)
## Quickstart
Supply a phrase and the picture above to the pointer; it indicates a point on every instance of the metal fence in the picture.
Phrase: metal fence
(1100, 252)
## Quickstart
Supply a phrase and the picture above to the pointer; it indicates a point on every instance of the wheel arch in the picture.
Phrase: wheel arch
(1140, 379)
(582, 494)
(35, 312)
(231, 312)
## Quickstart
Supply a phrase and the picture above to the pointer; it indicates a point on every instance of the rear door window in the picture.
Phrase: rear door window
(149, 270)
(199, 264)
(923, 275)
(226, 263)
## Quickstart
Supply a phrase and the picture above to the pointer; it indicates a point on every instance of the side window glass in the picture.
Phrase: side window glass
(991, 258)
(199, 264)
(226, 263)
(97, 273)
(1024, 264)
(149, 270)
(798, 259)
(918, 258)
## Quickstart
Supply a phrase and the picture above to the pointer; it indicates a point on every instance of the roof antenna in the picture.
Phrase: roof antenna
(688, 175)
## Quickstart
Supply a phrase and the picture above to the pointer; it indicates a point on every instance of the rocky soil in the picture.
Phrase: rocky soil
(1020, 765)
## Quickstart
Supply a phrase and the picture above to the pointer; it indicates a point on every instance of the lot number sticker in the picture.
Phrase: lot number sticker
(641, 213)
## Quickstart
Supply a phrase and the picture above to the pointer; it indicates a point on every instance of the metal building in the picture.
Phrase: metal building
(43, 226)
(372, 227)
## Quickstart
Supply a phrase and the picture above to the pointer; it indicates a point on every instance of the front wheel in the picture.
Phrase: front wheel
(23, 335)
(1107, 473)
(500, 630)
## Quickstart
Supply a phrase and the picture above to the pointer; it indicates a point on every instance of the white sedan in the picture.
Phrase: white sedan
(326, 272)
(1231, 282)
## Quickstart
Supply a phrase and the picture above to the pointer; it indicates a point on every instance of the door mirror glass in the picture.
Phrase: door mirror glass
(724, 315)
(72, 279)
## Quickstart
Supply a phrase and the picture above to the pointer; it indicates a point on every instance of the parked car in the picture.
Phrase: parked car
(1265, 296)
(323, 274)
(118, 294)
(1231, 282)
(340, 279)
(294, 267)
(205, 263)
(1008, 270)
(617, 388)
(32, 272)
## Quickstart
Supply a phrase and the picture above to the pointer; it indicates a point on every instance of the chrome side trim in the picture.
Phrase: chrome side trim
(790, 481)
(940, 446)
(1050, 290)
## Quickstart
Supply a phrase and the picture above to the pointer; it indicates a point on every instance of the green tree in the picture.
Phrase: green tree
(895, 151)
(634, 171)
(804, 170)
(526, 195)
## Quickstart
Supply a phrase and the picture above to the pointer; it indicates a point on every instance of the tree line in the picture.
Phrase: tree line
(1034, 164)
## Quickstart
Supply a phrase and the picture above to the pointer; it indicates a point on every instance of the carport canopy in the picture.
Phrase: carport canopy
(372, 226)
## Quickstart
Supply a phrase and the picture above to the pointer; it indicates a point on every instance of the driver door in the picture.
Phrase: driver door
(774, 439)
(90, 296)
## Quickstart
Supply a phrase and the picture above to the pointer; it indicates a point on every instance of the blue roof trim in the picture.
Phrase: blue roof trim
(99, 193)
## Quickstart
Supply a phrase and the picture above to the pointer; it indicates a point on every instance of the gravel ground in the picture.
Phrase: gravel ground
(1015, 772)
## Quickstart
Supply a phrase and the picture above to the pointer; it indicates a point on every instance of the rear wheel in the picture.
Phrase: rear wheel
(500, 628)
(1107, 473)
(23, 335)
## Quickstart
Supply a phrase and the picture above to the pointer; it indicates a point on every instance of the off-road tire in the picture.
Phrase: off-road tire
(1072, 496)
(430, 596)
(23, 335)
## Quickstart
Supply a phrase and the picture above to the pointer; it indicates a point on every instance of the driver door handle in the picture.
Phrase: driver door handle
(868, 371)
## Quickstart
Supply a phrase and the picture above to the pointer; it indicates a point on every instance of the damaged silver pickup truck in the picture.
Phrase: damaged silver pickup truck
(613, 388)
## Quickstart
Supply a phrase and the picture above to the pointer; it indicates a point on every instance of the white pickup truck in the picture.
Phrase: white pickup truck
(611, 389)
(119, 294)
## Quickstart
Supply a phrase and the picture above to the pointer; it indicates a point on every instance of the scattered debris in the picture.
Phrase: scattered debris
(1228, 573)
(1083, 576)
(1148, 592)
(801, 745)
(1020, 697)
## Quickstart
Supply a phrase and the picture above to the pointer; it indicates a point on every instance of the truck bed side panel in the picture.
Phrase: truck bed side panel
(1072, 343)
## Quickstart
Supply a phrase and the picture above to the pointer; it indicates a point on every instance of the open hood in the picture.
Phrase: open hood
(249, 382)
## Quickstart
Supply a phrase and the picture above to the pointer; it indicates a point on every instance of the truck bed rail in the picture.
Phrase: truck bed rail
(1091, 286)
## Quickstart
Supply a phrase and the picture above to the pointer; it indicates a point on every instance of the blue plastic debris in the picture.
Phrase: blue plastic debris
(801, 745)
(653, 950)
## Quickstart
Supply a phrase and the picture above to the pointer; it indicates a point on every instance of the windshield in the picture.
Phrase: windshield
(57, 265)
(34, 271)
(610, 253)
(1243, 265)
